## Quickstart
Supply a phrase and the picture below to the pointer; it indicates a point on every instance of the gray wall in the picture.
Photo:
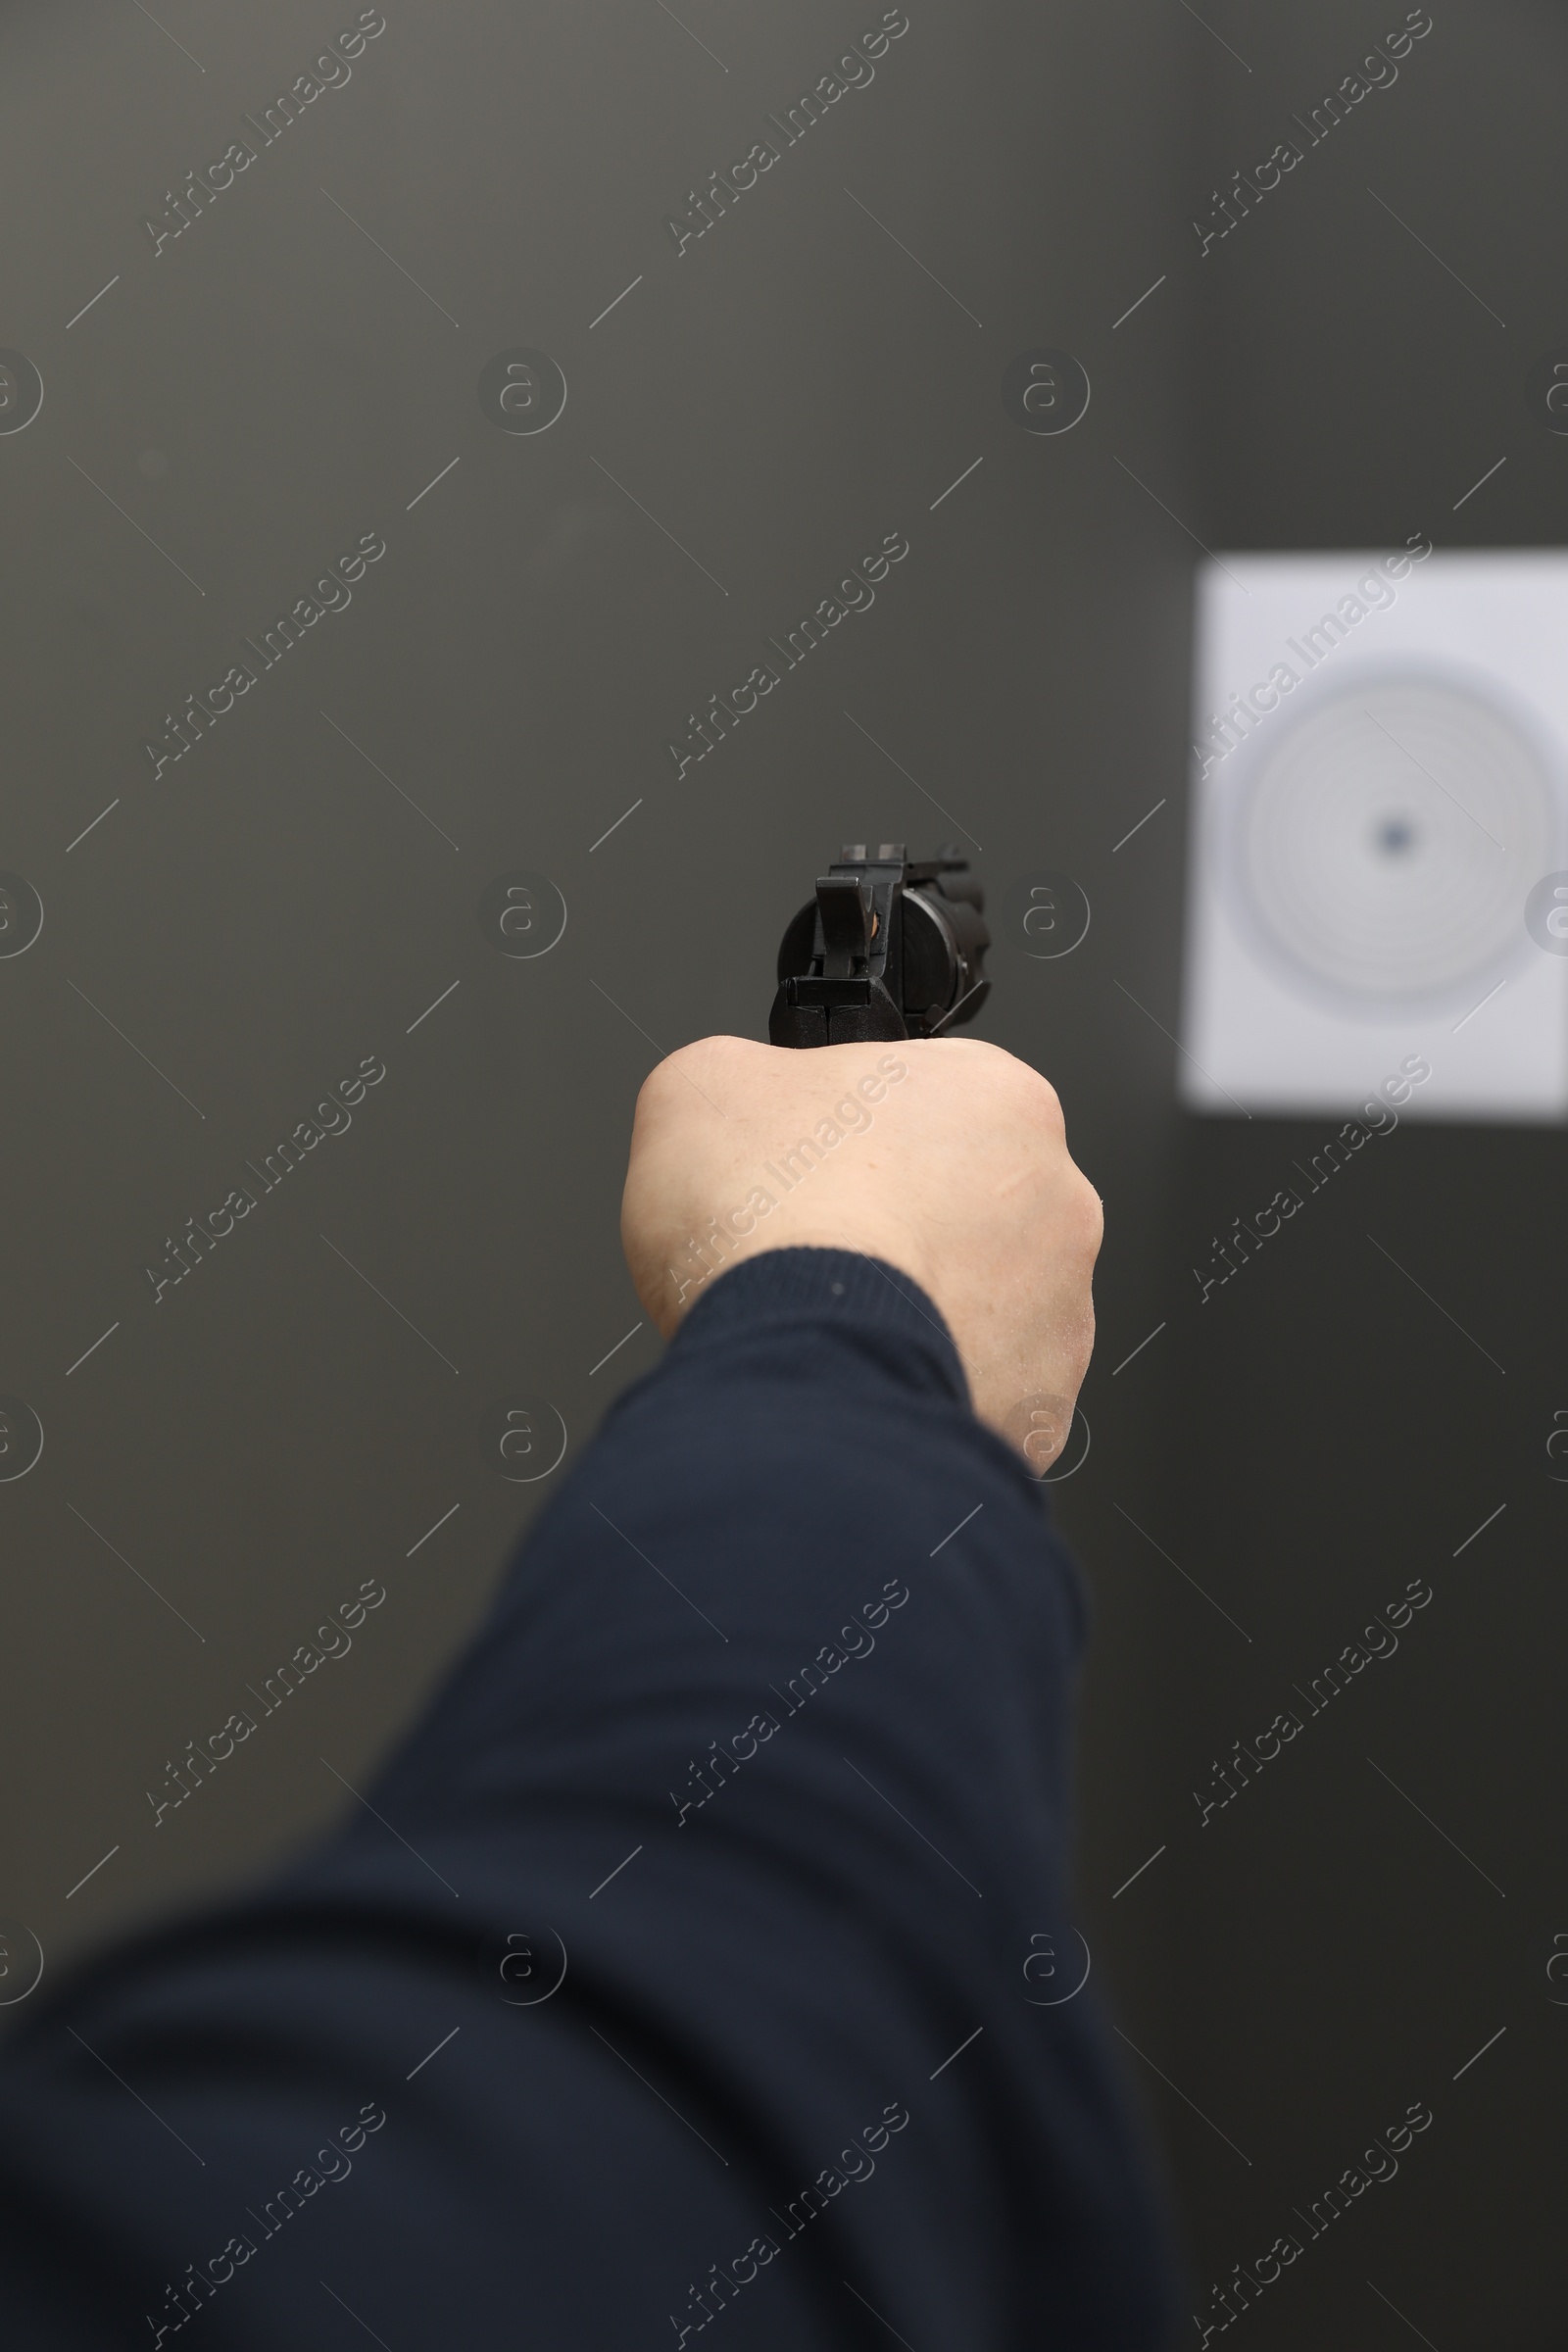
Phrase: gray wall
(297, 890)
(1331, 1954)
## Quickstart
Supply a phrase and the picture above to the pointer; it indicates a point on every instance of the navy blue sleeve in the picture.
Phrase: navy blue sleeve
(704, 1963)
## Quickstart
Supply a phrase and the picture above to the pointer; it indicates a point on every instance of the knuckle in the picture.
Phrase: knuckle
(1092, 1211)
(671, 1079)
(658, 1097)
(1047, 1103)
(1033, 1092)
(654, 1088)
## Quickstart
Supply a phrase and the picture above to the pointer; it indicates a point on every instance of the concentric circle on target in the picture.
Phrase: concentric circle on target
(523, 1437)
(523, 914)
(1374, 843)
(1046, 390)
(1043, 915)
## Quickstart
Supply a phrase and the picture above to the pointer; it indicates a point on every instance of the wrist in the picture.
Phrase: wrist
(821, 1288)
(715, 1246)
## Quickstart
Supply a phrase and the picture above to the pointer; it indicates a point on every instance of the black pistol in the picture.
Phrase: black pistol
(886, 949)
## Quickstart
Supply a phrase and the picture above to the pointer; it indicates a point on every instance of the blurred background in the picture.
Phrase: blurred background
(493, 294)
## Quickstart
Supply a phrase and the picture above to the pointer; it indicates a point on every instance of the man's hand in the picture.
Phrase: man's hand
(943, 1156)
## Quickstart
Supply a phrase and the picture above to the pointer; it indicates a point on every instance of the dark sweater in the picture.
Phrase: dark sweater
(729, 1984)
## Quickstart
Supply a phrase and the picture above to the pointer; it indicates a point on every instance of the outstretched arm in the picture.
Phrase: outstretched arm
(709, 1968)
